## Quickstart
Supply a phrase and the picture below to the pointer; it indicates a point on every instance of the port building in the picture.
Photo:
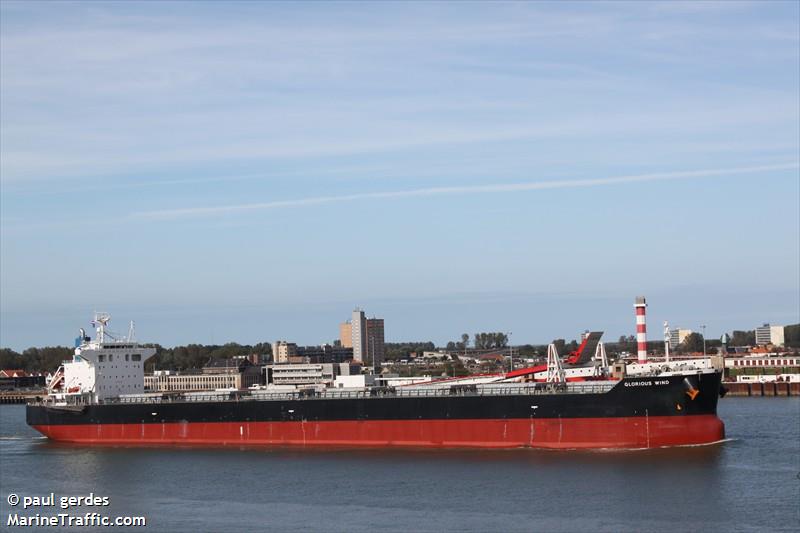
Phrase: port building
(768, 334)
(304, 374)
(216, 374)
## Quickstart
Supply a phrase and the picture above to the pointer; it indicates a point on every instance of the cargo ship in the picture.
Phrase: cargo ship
(98, 398)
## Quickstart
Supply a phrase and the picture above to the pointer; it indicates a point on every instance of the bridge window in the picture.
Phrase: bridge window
(101, 358)
(136, 357)
(110, 358)
(127, 357)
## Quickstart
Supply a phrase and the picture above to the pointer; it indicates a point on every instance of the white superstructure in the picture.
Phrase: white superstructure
(105, 367)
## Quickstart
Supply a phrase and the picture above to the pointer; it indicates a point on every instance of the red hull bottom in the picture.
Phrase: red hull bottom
(639, 432)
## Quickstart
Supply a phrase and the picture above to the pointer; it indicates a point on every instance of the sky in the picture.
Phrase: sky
(246, 172)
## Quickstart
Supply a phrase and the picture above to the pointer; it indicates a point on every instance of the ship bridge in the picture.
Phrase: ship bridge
(105, 367)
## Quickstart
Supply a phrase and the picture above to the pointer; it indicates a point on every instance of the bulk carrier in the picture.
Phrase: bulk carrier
(580, 402)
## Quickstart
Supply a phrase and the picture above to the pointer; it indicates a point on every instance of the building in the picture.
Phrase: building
(439, 356)
(18, 379)
(217, 374)
(767, 334)
(375, 347)
(767, 368)
(224, 366)
(308, 373)
(254, 358)
(282, 351)
(346, 334)
(358, 334)
(325, 354)
(769, 361)
(300, 374)
(367, 336)
(393, 380)
(356, 381)
(188, 380)
(677, 336)
(13, 373)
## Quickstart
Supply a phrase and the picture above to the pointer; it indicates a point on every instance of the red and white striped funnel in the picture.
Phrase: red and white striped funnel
(641, 328)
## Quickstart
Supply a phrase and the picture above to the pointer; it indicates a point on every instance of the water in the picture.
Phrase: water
(749, 483)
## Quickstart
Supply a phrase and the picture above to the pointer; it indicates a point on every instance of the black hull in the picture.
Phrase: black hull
(635, 413)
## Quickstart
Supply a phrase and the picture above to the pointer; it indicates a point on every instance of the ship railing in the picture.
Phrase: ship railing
(375, 393)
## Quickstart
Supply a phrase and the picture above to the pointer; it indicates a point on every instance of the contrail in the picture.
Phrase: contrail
(466, 189)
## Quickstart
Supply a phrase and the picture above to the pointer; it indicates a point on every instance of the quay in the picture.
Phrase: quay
(773, 388)
(20, 397)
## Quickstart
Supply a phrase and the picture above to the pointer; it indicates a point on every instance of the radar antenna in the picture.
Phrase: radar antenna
(100, 322)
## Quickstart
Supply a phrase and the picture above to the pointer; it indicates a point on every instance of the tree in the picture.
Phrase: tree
(45, 359)
(488, 341)
(529, 350)
(560, 344)
(51, 357)
(9, 359)
(572, 346)
(402, 350)
(501, 340)
(791, 336)
(626, 344)
(743, 338)
(460, 346)
(692, 343)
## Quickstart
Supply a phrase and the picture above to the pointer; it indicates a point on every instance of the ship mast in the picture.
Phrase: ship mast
(555, 372)
(100, 322)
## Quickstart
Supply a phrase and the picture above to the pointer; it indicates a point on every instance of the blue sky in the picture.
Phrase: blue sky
(252, 171)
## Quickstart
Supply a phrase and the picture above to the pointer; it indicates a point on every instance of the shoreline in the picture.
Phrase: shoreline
(758, 389)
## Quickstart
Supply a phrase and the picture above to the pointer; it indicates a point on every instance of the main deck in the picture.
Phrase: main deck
(430, 391)
(630, 413)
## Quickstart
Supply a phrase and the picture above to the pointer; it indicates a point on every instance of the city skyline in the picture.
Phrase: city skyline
(120, 324)
(250, 171)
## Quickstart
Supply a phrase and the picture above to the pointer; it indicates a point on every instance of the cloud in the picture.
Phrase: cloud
(457, 190)
(114, 91)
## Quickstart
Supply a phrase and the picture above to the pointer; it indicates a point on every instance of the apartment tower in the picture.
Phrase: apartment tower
(367, 338)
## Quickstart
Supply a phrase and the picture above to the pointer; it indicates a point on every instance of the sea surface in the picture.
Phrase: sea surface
(750, 482)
